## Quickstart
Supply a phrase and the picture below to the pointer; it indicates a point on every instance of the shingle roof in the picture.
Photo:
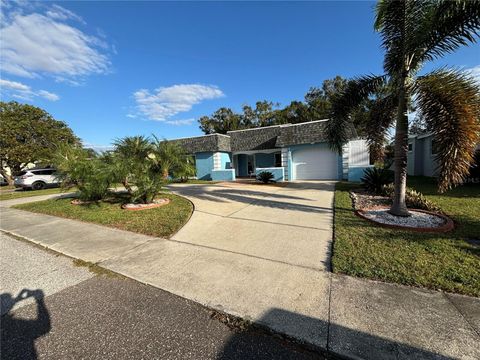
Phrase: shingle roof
(213, 142)
(254, 139)
(269, 137)
(304, 133)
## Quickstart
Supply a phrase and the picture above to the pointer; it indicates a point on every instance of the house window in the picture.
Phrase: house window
(410, 147)
(278, 160)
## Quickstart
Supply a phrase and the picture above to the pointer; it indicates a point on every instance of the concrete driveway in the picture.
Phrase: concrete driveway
(290, 225)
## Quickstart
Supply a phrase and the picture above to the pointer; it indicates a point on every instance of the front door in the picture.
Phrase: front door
(251, 164)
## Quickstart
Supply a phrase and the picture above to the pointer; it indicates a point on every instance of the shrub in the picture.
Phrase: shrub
(375, 178)
(88, 172)
(413, 198)
(265, 177)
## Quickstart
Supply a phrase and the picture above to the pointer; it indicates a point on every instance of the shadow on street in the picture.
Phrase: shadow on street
(18, 335)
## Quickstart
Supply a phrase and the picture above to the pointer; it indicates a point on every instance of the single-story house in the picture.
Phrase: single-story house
(289, 152)
(422, 153)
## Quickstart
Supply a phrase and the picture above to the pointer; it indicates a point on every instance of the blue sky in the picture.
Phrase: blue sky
(111, 69)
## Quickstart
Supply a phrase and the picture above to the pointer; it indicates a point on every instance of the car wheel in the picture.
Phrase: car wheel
(38, 185)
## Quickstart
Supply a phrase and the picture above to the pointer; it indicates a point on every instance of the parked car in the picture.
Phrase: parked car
(3, 181)
(36, 179)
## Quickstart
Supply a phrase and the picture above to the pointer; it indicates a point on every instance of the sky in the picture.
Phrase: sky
(117, 68)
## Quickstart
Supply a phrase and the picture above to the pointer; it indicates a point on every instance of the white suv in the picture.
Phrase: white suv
(36, 179)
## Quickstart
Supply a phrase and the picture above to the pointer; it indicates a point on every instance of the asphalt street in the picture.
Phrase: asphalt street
(52, 309)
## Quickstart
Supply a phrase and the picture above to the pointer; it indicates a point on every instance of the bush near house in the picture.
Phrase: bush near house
(375, 178)
(449, 261)
(265, 177)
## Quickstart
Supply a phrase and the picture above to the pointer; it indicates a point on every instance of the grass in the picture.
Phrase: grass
(449, 262)
(163, 221)
(28, 193)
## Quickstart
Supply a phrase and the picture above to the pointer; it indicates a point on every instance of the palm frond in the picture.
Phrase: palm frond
(356, 91)
(450, 24)
(398, 23)
(450, 103)
(381, 117)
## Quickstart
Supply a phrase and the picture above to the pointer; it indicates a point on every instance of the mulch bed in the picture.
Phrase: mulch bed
(374, 208)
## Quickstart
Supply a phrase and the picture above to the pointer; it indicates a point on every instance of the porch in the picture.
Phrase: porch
(248, 164)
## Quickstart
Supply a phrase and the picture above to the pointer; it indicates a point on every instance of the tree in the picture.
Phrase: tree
(129, 158)
(221, 121)
(171, 159)
(413, 33)
(29, 134)
(87, 171)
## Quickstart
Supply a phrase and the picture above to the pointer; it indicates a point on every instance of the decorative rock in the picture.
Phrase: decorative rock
(420, 220)
(156, 203)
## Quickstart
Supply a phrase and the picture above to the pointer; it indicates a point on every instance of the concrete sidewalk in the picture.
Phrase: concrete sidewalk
(290, 294)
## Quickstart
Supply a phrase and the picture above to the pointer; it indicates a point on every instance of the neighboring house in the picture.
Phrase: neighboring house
(289, 152)
(421, 155)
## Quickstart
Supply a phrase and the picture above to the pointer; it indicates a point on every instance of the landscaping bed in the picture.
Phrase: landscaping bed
(162, 221)
(445, 261)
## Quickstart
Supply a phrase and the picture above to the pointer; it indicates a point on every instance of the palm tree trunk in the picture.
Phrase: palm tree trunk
(399, 206)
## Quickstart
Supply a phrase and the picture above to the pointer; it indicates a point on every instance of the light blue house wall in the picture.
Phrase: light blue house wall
(204, 164)
(223, 175)
(225, 160)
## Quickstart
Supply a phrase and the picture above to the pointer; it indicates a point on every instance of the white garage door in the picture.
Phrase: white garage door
(315, 163)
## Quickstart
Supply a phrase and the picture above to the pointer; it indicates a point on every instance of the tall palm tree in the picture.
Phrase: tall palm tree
(414, 32)
(171, 158)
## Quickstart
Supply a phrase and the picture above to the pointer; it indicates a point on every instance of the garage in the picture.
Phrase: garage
(316, 162)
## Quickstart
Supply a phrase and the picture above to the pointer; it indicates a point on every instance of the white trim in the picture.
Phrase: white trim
(280, 125)
(271, 168)
(198, 136)
(304, 123)
(256, 128)
(217, 160)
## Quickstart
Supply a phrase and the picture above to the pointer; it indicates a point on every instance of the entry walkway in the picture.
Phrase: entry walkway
(262, 253)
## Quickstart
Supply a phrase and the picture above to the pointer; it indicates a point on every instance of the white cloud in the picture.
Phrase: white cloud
(166, 102)
(60, 13)
(35, 44)
(13, 85)
(25, 92)
(180, 122)
(475, 72)
(48, 95)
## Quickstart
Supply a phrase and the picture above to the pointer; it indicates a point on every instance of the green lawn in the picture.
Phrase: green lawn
(9, 195)
(162, 221)
(449, 262)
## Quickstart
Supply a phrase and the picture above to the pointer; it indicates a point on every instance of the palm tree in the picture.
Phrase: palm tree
(130, 153)
(414, 32)
(171, 158)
